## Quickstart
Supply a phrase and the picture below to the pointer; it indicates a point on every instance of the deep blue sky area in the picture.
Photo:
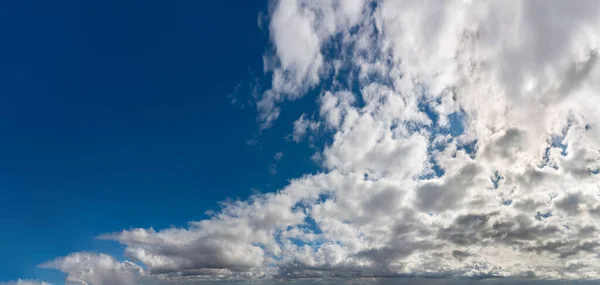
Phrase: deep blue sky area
(115, 114)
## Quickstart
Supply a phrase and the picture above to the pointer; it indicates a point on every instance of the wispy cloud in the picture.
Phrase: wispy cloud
(25, 282)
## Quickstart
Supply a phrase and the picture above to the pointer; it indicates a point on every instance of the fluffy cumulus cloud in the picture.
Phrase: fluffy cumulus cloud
(90, 268)
(465, 141)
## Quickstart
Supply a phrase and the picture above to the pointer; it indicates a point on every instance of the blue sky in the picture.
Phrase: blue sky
(116, 115)
(326, 139)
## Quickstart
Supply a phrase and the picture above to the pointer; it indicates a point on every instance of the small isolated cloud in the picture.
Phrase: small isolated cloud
(273, 166)
(278, 156)
(302, 127)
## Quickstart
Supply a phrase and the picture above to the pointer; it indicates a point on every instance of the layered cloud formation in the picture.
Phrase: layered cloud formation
(461, 139)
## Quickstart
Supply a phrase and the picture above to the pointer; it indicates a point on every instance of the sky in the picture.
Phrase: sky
(359, 141)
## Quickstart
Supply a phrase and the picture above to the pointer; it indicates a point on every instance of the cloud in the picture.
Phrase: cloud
(302, 126)
(98, 269)
(298, 30)
(25, 282)
(462, 141)
(278, 156)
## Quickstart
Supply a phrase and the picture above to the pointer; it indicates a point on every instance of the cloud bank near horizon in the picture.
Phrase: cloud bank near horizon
(25, 282)
(463, 140)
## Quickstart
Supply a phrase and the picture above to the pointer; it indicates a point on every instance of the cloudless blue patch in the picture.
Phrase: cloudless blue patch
(426, 108)
(311, 226)
(557, 142)
(324, 197)
(314, 245)
(496, 179)
(470, 148)
(456, 124)
(298, 242)
(595, 171)
(507, 202)
(439, 172)
(542, 216)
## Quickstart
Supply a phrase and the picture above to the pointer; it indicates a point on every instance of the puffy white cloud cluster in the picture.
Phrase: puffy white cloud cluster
(99, 269)
(465, 142)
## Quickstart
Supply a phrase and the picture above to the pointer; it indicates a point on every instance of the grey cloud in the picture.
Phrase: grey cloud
(435, 196)
(466, 230)
(587, 231)
(565, 248)
(478, 229)
(461, 254)
(506, 146)
(384, 202)
(520, 230)
(595, 211)
(577, 73)
(529, 204)
(571, 203)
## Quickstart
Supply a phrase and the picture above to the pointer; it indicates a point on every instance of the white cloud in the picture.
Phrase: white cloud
(468, 145)
(25, 282)
(302, 127)
(299, 29)
(97, 269)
